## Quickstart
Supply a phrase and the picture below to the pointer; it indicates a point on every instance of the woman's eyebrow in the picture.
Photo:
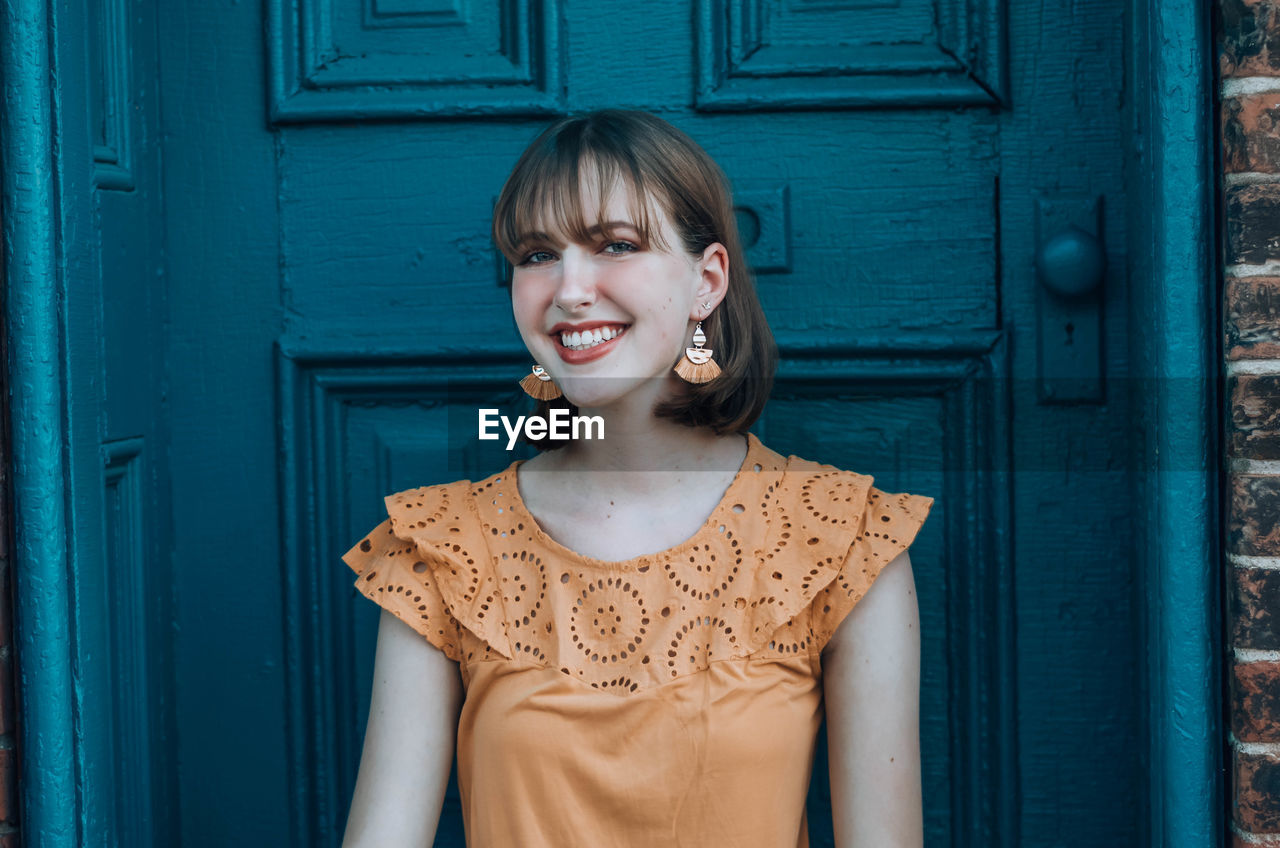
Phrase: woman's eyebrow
(611, 225)
(598, 228)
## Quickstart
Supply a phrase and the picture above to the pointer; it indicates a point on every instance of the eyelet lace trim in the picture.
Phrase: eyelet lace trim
(773, 581)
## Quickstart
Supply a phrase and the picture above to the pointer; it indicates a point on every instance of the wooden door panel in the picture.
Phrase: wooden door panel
(346, 60)
(813, 53)
(121, 589)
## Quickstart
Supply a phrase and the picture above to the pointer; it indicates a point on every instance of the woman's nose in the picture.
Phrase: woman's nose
(577, 289)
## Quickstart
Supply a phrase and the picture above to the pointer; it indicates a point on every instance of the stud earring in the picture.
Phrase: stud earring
(538, 385)
(697, 366)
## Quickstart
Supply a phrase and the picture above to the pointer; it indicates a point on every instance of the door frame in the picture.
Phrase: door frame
(1175, 337)
(52, 275)
(50, 293)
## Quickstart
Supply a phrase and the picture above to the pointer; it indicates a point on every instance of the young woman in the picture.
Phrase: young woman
(634, 639)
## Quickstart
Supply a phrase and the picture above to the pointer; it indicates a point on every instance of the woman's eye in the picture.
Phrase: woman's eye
(613, 248)
(529, 258)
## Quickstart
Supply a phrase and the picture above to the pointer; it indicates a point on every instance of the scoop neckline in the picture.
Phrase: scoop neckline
(714, 520)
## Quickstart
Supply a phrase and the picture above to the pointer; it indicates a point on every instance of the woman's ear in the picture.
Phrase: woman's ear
(713, 280)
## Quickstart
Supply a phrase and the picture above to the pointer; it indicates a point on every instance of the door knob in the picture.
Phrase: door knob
(1071, 262)
(1070, 267)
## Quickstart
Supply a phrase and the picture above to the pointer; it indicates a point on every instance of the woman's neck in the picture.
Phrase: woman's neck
(658, 445)
(635, 440)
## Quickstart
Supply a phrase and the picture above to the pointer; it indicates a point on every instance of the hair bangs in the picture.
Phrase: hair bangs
(545, 197)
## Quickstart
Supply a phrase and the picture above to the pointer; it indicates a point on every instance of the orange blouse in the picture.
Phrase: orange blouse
(673, 699)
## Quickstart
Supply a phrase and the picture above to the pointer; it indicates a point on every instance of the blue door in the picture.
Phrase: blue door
(300, 298)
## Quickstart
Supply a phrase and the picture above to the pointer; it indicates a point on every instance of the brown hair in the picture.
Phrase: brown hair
(652, 158)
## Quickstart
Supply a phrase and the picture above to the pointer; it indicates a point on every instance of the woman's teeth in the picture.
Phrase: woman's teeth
(590, 338)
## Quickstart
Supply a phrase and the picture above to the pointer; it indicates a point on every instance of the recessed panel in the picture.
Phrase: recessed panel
(849, 23)
(756, 55)
(339, 59)
(361, 428)
(413, 13)
(109, 59)
(118, 602)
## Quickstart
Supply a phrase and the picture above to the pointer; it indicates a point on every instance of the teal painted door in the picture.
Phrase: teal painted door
(122, 597)
(336, 313)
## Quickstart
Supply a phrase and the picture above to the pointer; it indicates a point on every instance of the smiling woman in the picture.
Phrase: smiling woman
(641, 656)
(630, 201)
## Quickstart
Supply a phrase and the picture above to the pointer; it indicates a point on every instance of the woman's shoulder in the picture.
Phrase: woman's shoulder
(808, 477)
(444, 510)
(839, 505)
(810, 482)
(843, 530)
(447, 535)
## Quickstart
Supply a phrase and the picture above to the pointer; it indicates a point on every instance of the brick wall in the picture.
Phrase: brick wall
(1249, 64)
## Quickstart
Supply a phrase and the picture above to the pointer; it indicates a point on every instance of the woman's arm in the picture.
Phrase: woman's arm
(871, 680)
(408, 743)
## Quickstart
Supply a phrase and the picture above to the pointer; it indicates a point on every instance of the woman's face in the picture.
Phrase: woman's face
(640, 300)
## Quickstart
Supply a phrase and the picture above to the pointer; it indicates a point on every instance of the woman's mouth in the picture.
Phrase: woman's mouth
(590, 338)
(584, 346)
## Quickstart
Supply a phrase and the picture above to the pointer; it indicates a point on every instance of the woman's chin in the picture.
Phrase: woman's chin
(591, 397)
(599, 392)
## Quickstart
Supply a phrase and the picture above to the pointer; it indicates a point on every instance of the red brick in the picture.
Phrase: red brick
(1254, 608)
(1249, 42)
(1255, 417)
(1255, 792)
(6, 602)
(1253, 318)
(1253, 223)
(8, 785)
(1253, 520)
(1251, 133)
(1255, 701)
(7, 699)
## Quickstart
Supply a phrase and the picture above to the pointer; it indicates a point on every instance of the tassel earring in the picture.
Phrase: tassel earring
(697, 366)
(538, 385)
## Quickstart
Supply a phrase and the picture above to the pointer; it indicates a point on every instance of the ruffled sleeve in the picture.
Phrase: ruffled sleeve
(435, 544)
(887, 526)
(393, 574)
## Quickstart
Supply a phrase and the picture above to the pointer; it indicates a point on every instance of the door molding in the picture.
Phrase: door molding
(1174, 331)
(323, 391)
(47, 210)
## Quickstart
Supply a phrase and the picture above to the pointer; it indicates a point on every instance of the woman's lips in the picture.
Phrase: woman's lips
(577, 357)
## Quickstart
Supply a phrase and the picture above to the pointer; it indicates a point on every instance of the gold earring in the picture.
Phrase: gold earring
(697, 366)
(538, 385)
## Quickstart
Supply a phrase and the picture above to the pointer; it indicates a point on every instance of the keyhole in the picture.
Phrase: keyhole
(1071, 328)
